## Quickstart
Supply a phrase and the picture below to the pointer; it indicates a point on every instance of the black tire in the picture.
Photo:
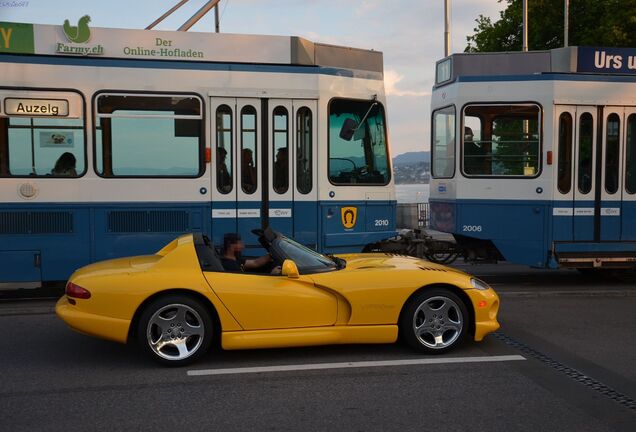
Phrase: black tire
(431, 314)
(182, 323)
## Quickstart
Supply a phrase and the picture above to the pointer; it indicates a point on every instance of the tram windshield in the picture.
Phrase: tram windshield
(364, 158)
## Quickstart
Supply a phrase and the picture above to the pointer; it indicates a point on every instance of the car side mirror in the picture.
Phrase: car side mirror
(289, 269)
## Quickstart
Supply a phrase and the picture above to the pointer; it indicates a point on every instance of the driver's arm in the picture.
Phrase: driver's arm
(253, 264)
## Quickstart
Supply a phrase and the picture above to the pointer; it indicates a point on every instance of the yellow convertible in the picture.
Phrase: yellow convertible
(176, 303)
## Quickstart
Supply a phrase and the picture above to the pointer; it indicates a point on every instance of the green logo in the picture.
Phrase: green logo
(80, 33)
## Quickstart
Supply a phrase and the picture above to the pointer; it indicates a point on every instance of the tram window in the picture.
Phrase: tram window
(224, 146)
(42, 147)
(586, 140)
(612, 146)
(149, 136)
(249, 155)
(361, 158)
(281, 150)
(444, 143)
(304, 150)
(630, 167)
(564, 167)
(508, 144)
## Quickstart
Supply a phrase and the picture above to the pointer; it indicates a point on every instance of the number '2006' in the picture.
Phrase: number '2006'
(471, 228)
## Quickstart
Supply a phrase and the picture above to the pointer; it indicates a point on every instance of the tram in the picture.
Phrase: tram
(116, 142)
(534, 156)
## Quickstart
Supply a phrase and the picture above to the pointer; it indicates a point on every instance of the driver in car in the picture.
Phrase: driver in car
(233, 262)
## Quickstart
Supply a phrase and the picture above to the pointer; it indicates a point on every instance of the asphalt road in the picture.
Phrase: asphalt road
(563, 360)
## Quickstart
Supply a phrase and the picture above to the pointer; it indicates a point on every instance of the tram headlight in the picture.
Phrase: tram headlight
(479, 284)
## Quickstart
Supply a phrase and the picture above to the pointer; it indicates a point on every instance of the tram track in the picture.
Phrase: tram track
(570, 372)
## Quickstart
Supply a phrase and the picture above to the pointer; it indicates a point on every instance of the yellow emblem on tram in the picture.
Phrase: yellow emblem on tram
(349, 216)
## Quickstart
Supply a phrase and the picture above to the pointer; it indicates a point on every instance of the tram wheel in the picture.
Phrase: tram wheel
(442, 258)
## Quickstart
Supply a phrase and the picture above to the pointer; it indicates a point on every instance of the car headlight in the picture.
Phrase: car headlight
(479, 284)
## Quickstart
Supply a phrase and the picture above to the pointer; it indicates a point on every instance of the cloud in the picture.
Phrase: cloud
(391, 80)
(367, 6)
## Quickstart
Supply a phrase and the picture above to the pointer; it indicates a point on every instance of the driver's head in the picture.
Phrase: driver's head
(232, 244)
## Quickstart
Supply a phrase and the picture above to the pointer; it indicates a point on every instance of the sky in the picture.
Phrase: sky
(410, 33)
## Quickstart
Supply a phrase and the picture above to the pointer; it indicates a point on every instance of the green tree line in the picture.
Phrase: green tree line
(606, 23)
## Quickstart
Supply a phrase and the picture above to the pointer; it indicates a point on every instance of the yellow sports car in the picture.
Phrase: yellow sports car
(177, 302)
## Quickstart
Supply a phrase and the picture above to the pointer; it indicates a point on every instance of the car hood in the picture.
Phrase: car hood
(387, 261)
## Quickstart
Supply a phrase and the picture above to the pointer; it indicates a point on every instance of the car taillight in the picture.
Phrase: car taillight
(77, 291)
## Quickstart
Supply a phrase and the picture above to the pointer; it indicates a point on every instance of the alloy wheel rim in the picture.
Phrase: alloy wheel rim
(175, 332)
(438, 322)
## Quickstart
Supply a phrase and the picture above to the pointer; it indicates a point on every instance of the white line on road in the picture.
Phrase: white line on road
(347, 365)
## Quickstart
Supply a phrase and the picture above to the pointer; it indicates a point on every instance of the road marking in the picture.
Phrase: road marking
(354, 365)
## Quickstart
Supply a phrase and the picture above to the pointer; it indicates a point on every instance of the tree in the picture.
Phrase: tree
(606, 23)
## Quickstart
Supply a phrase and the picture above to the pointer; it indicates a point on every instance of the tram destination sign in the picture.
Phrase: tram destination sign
(607, 60)
(36, 107)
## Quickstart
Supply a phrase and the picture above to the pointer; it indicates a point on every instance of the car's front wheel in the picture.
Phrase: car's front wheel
(434, 321)
(175, 330)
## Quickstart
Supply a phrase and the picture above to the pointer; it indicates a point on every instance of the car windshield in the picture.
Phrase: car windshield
(305, 258)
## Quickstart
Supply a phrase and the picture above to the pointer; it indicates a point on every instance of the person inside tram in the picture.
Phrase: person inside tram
(585, 179)
(248, 171)
(473, 153)
(223, 178)
(232, 260)
(611, 173)
(281, 170)
(65, 165)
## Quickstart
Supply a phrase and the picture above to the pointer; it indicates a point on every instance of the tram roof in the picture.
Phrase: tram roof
(79, 39)
(579, 60)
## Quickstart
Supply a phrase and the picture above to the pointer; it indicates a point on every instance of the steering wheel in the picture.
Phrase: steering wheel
(262, 239)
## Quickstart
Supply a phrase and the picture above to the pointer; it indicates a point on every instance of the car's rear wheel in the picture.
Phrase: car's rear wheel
(175, 330)
(434, 321)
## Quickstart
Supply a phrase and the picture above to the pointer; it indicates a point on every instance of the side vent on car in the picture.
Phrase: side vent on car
(433, 269)
(156, 221)
(32, 222)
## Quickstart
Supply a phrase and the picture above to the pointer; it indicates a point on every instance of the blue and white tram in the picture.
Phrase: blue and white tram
(115, 145)
(534, 156)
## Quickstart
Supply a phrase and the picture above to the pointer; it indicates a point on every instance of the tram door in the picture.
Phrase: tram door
(600, 177)
(612, 173)
(585, 165)
(575, 186)
(236, 142)
(264, 165)
(628, 219)
(291, 201)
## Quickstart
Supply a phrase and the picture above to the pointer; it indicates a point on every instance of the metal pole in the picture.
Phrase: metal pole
(164, 16)
(217, 24)
(447, 24)
(566, 23)
(198, 15)
(525, 26)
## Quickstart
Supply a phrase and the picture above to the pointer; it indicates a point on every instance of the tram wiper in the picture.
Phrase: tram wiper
(350, 126)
